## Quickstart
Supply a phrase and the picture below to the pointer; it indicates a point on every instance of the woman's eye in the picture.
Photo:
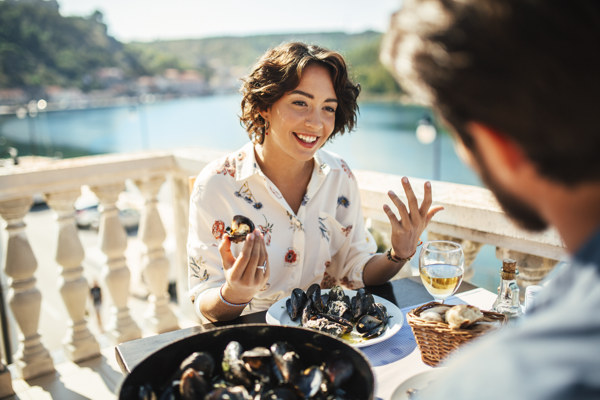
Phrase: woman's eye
(299, 102)
(330, 109)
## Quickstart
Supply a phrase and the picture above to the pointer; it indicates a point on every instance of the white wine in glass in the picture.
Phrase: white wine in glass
(441, 266)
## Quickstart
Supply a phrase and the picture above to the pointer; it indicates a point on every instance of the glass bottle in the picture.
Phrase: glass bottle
(507, 301)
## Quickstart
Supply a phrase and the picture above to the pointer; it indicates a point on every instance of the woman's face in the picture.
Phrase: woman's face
(303, 119)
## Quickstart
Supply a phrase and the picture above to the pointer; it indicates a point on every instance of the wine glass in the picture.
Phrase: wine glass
(441, 266)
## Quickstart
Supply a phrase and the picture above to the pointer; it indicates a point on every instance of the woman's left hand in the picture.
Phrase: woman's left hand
(407, 229)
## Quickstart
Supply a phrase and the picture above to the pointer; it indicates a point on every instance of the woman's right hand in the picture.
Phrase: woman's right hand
(243, 277)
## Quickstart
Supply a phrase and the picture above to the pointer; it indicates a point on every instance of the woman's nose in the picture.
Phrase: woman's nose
(313, 120)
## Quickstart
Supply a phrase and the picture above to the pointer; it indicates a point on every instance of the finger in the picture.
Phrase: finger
(432, 212)
(427, 199)
(225, 250)
(241, 263)
(254, 258)
(404, 216)
(413, 204)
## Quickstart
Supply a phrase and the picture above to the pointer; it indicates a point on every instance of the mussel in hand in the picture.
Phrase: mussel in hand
(240, 227)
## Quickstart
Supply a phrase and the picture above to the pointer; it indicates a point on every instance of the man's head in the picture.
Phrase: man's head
(525, 70)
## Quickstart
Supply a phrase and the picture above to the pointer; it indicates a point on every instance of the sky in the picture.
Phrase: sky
(148, 20)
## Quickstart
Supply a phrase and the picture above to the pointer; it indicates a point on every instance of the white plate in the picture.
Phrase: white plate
(418, 381)
(277, 315)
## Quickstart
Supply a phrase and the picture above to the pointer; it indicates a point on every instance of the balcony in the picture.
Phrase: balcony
(47, 259)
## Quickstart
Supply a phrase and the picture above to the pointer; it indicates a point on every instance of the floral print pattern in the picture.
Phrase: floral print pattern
(266, 230)
(228, 168)
(347, 169)
(290, 257)
(328, 281)
(346, 230)
(217, 229)
(324, 231)
(352, 285)
(343, 201)
(245, 193)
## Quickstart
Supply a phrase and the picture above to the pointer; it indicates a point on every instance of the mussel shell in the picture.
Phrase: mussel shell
(369, 326)
(257, 361)
(145, 392)
(338, 369)
(233, 365)
(240, 227)
(336, 293)
(314, 295)
(339, 308)
(361, 303)
(280, 393)
(310, 381)
(230, 393)
(296, 303)
(286, 361)
(201, 361)
(193, 385)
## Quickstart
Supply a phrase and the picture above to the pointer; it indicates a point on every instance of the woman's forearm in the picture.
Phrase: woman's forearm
(379, 269)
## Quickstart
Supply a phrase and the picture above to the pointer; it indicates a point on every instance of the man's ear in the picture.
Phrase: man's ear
(496, 148)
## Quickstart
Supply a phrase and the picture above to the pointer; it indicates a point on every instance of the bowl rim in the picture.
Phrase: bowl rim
(215, 331)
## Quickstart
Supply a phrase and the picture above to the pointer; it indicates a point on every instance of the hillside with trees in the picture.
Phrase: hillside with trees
(41, 49)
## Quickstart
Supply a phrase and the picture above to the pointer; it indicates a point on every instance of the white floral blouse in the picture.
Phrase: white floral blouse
(325, 242)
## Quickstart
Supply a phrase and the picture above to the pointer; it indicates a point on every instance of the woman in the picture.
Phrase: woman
(303, 200)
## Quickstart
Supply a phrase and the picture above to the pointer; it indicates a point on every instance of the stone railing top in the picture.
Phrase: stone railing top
(44, 175)
(470, 212)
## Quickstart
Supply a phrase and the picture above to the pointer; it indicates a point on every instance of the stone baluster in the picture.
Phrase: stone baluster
(113, 243)
(79, 343)
(470, 249)
(6, 388)
(154, 261)
(32, 358)
(532, 269)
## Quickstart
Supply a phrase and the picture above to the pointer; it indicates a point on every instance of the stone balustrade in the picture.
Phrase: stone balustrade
(471, 216)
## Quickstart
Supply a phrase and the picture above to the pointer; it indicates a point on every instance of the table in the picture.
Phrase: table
(390, 366)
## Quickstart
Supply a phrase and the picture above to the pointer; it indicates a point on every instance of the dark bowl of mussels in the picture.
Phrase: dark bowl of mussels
(253, 362)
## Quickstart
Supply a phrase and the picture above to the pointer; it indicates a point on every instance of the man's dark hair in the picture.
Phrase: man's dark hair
(525, 68)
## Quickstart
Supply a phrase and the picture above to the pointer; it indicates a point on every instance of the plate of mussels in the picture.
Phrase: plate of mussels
(355, 316)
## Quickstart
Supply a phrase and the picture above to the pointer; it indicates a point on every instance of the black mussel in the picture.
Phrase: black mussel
(296, 303)
(369, 326)
(240, 227)
(286, 362)
(361, 303)
(233, 366)
(339, 320)
(280, 393)
(379, 311)
(336, 293)
(145, 392)
(201, 361)
(193, 385)
(257, 361)
(326, 325)
(311, 381)
(339, 308)
(229, 393)
(338, 369)
(308, 312)
(314, 294)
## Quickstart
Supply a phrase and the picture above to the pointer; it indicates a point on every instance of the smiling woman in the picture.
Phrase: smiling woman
(310, 227)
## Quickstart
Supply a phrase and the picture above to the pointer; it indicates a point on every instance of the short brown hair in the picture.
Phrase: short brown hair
(279, 71)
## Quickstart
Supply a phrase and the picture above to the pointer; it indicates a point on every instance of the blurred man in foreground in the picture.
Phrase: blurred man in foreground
(516, 82)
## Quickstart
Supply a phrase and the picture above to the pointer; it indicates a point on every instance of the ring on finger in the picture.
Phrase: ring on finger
(263, 267)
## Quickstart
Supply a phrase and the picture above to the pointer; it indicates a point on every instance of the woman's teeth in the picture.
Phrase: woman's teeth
(306, 138)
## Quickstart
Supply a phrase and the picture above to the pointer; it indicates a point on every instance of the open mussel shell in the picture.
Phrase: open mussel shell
(313, 349)
(240, 227)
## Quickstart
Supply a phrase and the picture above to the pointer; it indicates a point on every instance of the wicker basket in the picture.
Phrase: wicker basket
(436, 340)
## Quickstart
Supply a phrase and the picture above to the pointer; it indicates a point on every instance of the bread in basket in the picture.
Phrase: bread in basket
(436, 339)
